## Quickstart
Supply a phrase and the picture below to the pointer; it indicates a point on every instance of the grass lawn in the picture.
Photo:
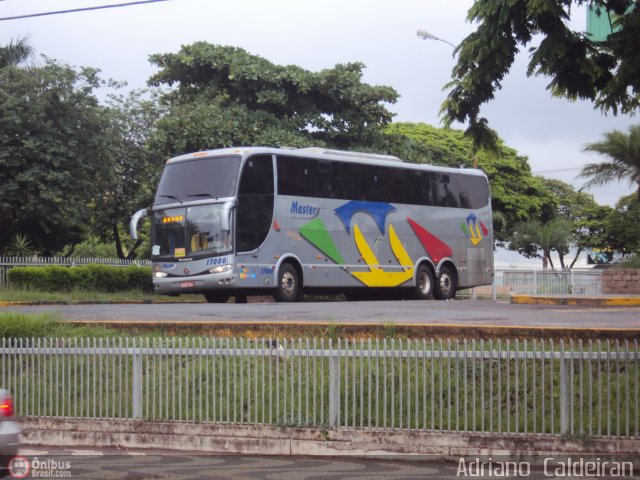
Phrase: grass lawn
(14, 295)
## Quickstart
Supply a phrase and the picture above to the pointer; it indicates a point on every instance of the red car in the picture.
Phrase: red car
(9, 431)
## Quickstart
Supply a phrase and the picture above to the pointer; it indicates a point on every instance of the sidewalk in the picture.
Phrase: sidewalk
(613, 300)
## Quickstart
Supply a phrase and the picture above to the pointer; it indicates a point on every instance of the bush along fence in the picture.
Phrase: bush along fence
(507, 281)
(588, 389)
(55, 274)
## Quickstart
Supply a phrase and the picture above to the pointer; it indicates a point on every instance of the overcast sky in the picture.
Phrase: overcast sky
(317, 35)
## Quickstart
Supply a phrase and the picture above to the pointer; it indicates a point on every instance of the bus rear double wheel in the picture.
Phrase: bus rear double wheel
(423, 289)
(446, 284)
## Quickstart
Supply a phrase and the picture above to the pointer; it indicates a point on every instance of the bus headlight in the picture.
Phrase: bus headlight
(160, 274)
(221, 269)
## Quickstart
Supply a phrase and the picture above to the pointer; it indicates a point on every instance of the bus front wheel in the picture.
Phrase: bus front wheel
(446, 284)
(424, 283)
(288, 289)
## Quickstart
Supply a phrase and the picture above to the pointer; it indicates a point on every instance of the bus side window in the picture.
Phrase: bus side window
(445, 190)
(255, 203)
(474, 191)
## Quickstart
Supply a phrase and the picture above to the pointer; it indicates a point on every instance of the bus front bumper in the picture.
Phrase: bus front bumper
(194, 284)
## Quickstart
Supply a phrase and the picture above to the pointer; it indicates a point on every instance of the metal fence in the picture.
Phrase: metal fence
(539, 282)
(504, 386)
(7, 263)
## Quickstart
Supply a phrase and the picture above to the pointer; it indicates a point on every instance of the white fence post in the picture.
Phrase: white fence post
(564, 391)
(334, 386)
(572, 282)
(137, 381)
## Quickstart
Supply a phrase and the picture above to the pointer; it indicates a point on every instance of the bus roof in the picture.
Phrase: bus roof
(323, 153)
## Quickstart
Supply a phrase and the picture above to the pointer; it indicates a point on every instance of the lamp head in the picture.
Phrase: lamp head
(426, 35)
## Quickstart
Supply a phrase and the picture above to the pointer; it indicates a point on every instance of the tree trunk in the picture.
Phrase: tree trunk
(550, 261)
(576, 257)
(132, 253)
(116, 238)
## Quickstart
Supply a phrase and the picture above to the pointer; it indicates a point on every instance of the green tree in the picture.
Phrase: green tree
(516, 194)
(605, 73)
(533, 236)
(18, 51)
(224, 96)
(623, 224)
(131, 170)
(51, 153)
(588, 219)
(623, 151)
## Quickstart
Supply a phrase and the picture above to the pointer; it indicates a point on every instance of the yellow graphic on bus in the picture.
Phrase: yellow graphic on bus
(376, 276)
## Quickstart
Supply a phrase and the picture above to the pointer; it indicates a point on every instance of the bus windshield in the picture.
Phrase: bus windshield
(181, 232)
(202, 178)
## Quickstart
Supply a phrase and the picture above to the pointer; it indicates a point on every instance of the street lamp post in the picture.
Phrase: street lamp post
(425, 35)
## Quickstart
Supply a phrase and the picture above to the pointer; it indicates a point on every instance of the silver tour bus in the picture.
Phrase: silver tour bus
(240, 221)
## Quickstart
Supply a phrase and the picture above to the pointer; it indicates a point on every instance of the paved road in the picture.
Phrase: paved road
(107, 464)
(465, 313)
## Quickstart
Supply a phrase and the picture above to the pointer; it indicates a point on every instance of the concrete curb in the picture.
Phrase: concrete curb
(63, 304)
(576, 301)
(268, 440)
(271, 328)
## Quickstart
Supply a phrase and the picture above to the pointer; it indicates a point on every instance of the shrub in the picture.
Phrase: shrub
(99, 278)
(17, 325)
(633, 262)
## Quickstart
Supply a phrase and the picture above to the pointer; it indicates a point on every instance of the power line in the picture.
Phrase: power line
(99, 7)
(558, 170)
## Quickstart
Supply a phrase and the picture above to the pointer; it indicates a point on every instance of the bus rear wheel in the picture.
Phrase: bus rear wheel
(424, 283)
(216, 297)
(288, 289)
(446, 284)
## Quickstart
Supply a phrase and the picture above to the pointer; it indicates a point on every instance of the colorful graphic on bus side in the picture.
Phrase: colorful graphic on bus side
(317, 235)
(474, 229)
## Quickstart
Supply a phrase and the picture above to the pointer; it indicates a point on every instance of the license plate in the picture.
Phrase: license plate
(187, 285)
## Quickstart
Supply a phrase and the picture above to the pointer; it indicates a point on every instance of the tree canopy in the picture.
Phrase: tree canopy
(71, 166)
(224, 96)
(133, 169)
(533, 236)
(587, 220)
(16, 52)
(516, 194)
(623, 223)
(605, 73)
(623, 159)
(51, 155)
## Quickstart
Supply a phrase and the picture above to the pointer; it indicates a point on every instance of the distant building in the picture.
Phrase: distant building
(600, 23)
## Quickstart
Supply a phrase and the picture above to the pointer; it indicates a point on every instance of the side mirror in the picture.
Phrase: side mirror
(133, 225)
(226, 215)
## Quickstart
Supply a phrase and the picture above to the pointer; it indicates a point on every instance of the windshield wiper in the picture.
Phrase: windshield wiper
(202, 195)
(170, 196)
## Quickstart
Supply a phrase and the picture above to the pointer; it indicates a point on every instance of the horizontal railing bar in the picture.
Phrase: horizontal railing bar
(295, 352)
